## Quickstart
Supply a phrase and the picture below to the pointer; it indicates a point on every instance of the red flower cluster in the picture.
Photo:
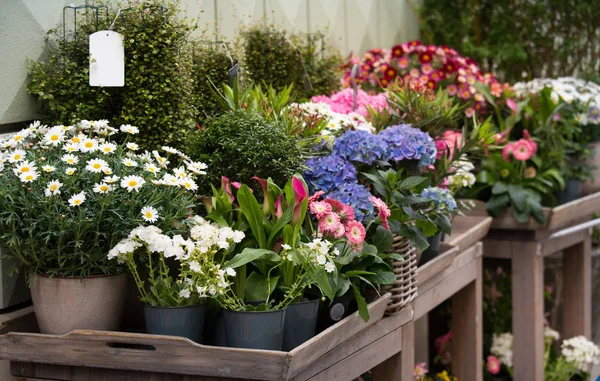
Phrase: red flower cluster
(429, 66)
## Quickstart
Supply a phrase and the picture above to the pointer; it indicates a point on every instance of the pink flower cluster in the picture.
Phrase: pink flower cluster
(430, 66)
(337, 220)
(522, 150)
(343, 101)
(493, 365)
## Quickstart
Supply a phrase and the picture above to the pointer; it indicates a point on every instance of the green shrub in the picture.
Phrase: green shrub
(242, 144)
(158, 95)
(271, 57)
(543, 38)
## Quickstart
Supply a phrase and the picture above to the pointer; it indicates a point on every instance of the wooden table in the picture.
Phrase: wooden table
(342, 352)
(456, 274)
(526, 245)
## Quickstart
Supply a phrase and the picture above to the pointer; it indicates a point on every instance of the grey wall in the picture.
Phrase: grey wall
(353, 25)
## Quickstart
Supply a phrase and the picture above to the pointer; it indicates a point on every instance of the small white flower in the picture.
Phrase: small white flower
(285, 246)
(71, 147)
(70, 159)
(185, 293)
(188, 184)
(195, 266)
(28, 177)
(180, 172)
(150, 214)
(170, 149)
(161, 160)
(70, 171)
(230, 271)
(132, 146)
(132, 183)
(151, 168)
(329, 267)
(24, 167)
(88, 145)
(16, 156)
(107, 148)
(77, 199)
(96, 165)
(128, 128)
(78, 139)
(54, 137)
(197, 167)
(129, 162)
(170, 180)
(53, 188)
(48, 168)
(102, 188)
(107, 171)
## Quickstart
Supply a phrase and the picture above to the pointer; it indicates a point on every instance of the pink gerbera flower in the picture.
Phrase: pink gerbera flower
(383, 211)
(403, 62)
(315, 196)
(493, 365)
(320, 209)
(340, 232)
(452, 89)
(355, 232)
(507, 152)
(330, 223)
(427, 69)
(522, 150)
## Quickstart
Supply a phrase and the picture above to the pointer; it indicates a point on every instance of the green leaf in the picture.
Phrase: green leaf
(517, 196)
(258, 287)
(253, 213)
(363, 309)
(381, 275)
(496, 205)
(427, 227)
(442, 222)
(499, 188)
(342, 287)
(412, 182)
(382, 239)
(248, 255)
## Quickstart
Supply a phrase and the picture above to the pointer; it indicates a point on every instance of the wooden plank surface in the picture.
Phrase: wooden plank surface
(575, 211)
(467, 330)
(436, 265)
(577, 270)
(468, 230)
(528, 312)
(553, 245)
(307, 353)
(399, 367)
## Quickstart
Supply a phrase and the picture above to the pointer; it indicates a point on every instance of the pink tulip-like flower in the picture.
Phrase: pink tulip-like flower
(356, 233)
(511, 104)
(330, 223)
(493, 365)
(237, 185)
(300, 194)
(383, 211)
(320, 209)
(266, 201)
(507, 152)
(448, 142)
(226, 187)
(278, 207)
(522, 150)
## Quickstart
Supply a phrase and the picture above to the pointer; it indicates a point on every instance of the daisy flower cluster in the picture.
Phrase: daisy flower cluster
(336, 122)
(461, 176)
(502, 348)
(319, 253)
(429, 66)
(201, 273)
(580, 352)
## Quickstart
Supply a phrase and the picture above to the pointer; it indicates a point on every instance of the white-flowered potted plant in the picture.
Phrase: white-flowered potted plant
(68, 195)
(176, 274)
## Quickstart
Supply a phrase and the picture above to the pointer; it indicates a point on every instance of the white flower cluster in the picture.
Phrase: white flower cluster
(570, 89)
(502, 348)
(580, 352)
(461, 175)
(336, 122)
(318, 253)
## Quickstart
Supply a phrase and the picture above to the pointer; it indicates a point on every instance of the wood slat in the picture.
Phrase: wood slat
(436, 265)
(468, 230)
(307, 353)
(578, 210)
(577, 270)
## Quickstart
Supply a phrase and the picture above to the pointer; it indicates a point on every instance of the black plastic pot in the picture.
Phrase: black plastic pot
(332, 312)
(254, 330)
(176, 321)
(433, 250)
(572, 192)
(300, 323)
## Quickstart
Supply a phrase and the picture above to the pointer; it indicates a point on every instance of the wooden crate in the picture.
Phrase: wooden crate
(342, 352)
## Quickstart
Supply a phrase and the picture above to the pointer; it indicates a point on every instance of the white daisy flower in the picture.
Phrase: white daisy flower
(185, 293)
(161, 160)
(151, 168)
(85, 124)
(132, 183)
(33, 127)
(16, 156)
(28, 177)
(132, 146)
(54, 137)
(128, 128)
(180, 172)
(150, 214)
(96, 165)
(48, 168)
(188, 184)
(24, 167)
(53, 188)
(107, 171)
(88, 145)
(170, 149)
(77, 199)
(183, 156)
(110, 179)
(19, 137)
(169, 179)
(78, 139)
(129, 162)
(197, 167)
(102, 188)
(71, 147)
(70, 171)
(70, 159)
(107, 148)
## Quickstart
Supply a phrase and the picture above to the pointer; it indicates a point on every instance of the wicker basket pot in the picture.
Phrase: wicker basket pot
(404, 289)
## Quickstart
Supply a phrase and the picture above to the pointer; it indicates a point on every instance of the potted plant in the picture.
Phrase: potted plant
(174, 299)
(69, 194)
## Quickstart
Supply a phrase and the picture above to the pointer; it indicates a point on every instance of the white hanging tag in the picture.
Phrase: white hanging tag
(107, 59)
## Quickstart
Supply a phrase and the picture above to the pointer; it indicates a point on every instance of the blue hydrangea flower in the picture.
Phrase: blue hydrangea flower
(327, 173)
(442, 198)
(359, 146)
(355, 195)
(404, 142)
(594, 114)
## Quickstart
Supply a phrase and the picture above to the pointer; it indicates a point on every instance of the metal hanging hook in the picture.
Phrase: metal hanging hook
(115, 20)
(353, 74)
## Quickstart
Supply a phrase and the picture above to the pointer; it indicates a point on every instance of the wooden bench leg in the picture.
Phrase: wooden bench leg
(401, 366)
(467, 331)
(528, 312)
(577, 270)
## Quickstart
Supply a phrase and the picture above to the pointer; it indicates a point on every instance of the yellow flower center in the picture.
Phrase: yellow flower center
(77, 202)
(53, 187)
(132, 183)
(149, 215)
(24, 169)
(29, 177)
(107, 149)
(151, 169)
(89, 144)
(97, 165)
(54, 138)
(103, 188)
(70, 161)
(76, 140)
(17, 138)
(17, 157)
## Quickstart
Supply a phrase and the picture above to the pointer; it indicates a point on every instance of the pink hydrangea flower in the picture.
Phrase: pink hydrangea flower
(320, 209)
(493, 365)
(356, 233)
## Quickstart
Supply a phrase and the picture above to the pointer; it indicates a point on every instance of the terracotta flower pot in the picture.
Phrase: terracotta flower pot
(593, 186)
(63, 304)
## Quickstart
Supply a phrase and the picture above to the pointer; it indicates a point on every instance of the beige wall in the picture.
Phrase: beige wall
(353, 25)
